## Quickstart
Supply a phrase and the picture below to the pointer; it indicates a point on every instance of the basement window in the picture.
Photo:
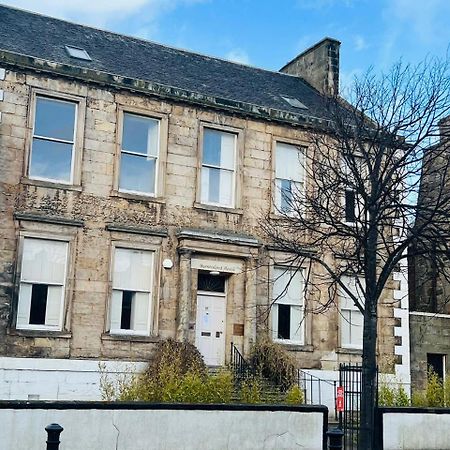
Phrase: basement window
(78, 53)
(296, 103)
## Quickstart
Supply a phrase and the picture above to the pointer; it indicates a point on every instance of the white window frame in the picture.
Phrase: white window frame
(78, 135)
(151, 293)
(234, 186)
(293, 272)
(129, 152)
(300, 149)
(347, 307)
(43, 327)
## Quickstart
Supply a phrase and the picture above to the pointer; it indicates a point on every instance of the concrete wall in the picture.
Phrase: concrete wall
(415, 429)
(144, 427)
(55, 379)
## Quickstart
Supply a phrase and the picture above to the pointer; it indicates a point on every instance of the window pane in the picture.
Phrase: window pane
(218, 148)
(226, 188)
(297, 323)
(289, 162)
(38, 304)
(51, 160)
(133, 269)
(345, 327)
(54, 119)
(210, 185)
(140, 134)
(44, 261)
(137, 173)
(213, 283)
(211, 147)
(350, 205)
(127, 300)
(284, 321)
(217, 186)
(288, 286)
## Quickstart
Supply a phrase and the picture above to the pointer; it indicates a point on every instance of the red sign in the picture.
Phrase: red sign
(340, 399)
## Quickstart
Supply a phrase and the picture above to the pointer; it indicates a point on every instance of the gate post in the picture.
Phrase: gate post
(53, 431)
(335, 436)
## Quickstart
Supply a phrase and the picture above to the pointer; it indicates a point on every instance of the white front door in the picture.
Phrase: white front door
(210, 328)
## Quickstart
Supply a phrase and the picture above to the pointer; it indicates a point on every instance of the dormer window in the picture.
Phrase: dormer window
(78, 53)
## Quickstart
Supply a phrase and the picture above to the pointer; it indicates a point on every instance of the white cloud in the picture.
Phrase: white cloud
(360, 43)
(99, 12)
(426, 20)
(238, 55)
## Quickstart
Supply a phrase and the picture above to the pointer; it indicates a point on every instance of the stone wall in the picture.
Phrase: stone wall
(96, 215)
(430, 333)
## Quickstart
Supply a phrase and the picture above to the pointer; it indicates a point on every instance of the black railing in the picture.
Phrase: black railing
(241, 368)
(349, 419)
(315, 389)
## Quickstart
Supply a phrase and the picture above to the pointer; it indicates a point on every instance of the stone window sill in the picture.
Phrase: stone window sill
(129, 337)
(349, 351)
(295, 347)
(51, 184)
(40, 333)
(139, 197)
(206, 207)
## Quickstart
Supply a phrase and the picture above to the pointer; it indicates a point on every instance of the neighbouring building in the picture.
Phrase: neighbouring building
(429, 285)
(134, 177)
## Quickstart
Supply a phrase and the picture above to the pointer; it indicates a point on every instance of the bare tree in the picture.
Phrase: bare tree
(357, 214)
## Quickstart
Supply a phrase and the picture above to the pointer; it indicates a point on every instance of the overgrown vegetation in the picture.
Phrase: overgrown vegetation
(274, 364)
(436, 394)
(178, 374)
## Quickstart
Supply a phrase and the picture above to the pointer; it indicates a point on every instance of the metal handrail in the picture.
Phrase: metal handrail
(241, 368)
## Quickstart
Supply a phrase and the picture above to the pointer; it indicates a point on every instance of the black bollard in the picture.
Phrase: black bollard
(335, 436)
(53, 431)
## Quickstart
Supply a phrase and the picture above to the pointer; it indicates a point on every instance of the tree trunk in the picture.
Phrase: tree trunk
(369, 358)
(368, 381)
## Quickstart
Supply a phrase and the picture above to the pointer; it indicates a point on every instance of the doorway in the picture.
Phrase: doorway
(210, 318)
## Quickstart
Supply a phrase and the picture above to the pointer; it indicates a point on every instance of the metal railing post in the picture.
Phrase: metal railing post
(335, 436)
(53, 431)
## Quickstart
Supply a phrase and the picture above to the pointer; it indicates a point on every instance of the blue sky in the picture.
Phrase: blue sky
(267, 33)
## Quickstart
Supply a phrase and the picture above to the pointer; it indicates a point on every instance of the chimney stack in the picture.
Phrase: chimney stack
(319, 66)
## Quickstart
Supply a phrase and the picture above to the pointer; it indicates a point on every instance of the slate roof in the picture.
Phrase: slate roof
(43, 37)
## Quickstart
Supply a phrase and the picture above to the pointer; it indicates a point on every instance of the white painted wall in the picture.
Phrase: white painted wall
(414, 431)
(56, 379)
(162, 429)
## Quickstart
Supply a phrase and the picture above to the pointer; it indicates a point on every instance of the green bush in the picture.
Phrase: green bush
(251, 390)
(436, 394)
(294, 396)
(176, 374)
(392, 395)
(274, 363)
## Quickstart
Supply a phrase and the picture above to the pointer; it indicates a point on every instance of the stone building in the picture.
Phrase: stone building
(429, 281)
(133, 180)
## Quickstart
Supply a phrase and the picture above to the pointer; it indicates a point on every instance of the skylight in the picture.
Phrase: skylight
(294, 102)
(79, 53)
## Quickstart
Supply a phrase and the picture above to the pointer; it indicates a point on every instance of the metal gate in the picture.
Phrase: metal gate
(349, 419)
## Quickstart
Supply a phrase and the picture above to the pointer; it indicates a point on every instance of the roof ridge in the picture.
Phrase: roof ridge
(139, 39)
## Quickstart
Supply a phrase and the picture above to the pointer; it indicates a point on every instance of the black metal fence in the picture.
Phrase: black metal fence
(349, 419)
